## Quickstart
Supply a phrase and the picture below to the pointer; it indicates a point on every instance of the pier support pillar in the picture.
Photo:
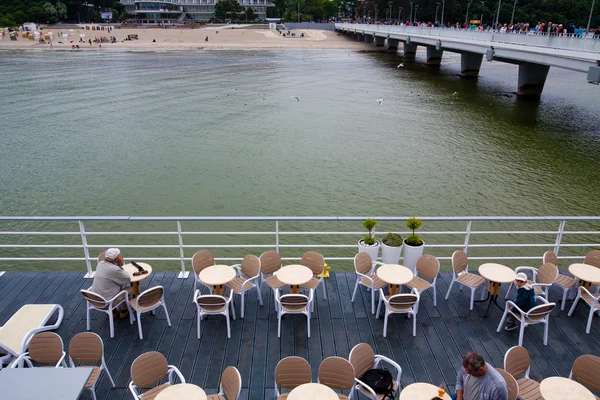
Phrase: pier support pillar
(434, 56)
(470, 64)
(369, 38)
(410, 50)
(532, 78)
(379, 41)
(360, 37)
(393, 44)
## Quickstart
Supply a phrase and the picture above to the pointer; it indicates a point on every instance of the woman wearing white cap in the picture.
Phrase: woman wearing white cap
(110, 275)
(525, 299)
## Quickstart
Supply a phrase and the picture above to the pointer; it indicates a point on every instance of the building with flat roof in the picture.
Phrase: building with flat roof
(178, 11)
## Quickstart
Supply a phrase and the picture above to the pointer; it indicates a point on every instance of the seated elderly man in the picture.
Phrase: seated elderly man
(478, 380)
(110, 276)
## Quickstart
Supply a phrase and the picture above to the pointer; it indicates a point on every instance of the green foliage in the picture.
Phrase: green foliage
(370, 223)
(392, 240)
(250, 16)
(370, 241)
(15, 12)
(413, 240)
(227, 9)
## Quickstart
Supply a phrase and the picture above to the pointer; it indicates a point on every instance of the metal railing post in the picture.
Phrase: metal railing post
(86, 251)
(561, 229)
(183, 274)
(277, 236)
(467, 236)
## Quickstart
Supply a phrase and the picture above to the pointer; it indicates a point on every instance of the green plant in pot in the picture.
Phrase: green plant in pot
(413, 248)
(369, 243)
(391, 248)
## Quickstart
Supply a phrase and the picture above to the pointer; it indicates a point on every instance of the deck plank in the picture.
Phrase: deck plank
(444, 333)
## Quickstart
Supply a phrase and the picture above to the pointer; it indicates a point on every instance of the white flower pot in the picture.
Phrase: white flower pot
(372, 251)
(390, 254)
(411, 255)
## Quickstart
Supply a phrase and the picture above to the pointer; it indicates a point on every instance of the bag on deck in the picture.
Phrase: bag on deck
(381, 381)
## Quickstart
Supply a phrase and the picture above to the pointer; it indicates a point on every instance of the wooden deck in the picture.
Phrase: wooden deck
(434, 355)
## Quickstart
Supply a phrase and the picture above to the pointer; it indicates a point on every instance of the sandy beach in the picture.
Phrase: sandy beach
(219, 38)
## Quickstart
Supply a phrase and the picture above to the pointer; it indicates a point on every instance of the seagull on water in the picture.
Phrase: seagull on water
(296, 97)
(380, 101)
(400, 65)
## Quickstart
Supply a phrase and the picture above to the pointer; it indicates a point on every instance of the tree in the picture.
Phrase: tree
(281, 6)
(250, 16)
(221, 9)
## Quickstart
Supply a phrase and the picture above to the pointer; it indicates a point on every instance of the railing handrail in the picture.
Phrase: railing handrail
(468, 232)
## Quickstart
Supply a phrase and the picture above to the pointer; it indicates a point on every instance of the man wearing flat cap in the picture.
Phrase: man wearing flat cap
(110, 275)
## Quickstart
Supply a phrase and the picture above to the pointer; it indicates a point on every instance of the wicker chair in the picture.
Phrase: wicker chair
(592, 300)
(149, 300)
(462, 276)
(44, 348)
(538, 314)
(316, 263)
(293, 304)
(543, 278)
(212, 304)
(399, 304)
(511, 383)
(201, 260)
(586, 370)
(565, 282)
(96, 302)
(270, 262)
(230, 386)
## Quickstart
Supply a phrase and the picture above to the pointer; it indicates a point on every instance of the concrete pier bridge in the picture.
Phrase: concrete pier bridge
(534, 54)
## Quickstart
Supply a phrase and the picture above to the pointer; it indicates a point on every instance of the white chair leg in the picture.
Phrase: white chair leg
(449, 289)
(111, 324)
(308, 323)
(87, 317)
(110, 378)
(259, 295)
(564, 299)
(228, 323)
(278, 324)
(242, 303)
(546, 328)
(503, 320)
(354, 292)
(92, 393)
(508, 291)
(590, 317)
(324, 289)
(274, 299)
(574, 305)
(385, 321)
(378, 307)
(472, 299)
(131, 318)
(522, 333)
(232, 308)
(434, 295)
(166, 313)
(139, 323)
(415, 325)
(198, 323)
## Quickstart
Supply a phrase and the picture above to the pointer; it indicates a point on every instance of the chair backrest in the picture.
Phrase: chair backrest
(511, 383)
(211, 302)
(460, 261)
(251, 266)
(337, 373)
(550, 257)
(94, 299)
(363, 263)
(586, 370)
(101, 256)
(540, 312)
(593, 258)
(403, 302)
(314, 261)
(517, 361)
(428, 266)
(547, 273)
(46, 347)
(86, 347)
(201, 260)
(148, 369)
(231, 383)
(270, 261)
(293, 301)
(150, 297)
(292, 372)
(362, 358)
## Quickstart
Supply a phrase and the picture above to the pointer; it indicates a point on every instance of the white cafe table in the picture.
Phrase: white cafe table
(395, 276)
(43, 383)
(588, 275)
(217, 276)
(421, 391)
(559, 388)
(135, 279)
(182, 391)
(294, 275)
(496, 274)
(312, 391)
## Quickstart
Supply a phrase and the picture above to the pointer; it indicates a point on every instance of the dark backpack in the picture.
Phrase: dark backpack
(381, 381)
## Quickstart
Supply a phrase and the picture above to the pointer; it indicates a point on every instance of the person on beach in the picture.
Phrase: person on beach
(525, 300)
(110, 276)
(478, 380)
(206, 40)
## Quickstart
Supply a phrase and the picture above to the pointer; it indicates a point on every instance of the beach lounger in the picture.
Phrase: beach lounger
(20, 328)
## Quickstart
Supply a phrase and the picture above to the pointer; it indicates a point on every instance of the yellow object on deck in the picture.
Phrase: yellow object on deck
(325, 273)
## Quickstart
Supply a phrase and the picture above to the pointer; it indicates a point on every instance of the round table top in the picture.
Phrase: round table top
(497, 273)
(130, 269)
(294, 274)
(585, 272)
(182, 391)
(216, 275)
(395, 274)
(559, 388)
(312, 391)
(420, 391)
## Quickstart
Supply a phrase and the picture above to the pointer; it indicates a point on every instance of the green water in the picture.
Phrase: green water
(219, 133)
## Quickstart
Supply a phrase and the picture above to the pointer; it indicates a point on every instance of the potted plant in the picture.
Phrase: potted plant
(369, 244)
(413, 245)
(391, 248)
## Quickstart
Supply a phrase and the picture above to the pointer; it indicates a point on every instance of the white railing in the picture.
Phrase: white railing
(475, 233)
(588, 44)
